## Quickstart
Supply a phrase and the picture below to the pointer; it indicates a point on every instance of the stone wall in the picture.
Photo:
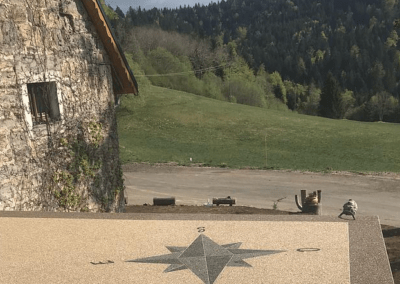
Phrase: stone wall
(70, 164)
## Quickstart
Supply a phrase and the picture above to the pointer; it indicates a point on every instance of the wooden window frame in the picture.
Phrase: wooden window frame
(43, 102)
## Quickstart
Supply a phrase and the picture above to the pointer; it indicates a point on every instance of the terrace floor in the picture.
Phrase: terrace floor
(45, 247)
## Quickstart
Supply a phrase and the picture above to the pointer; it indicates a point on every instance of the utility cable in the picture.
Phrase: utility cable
(184, 73)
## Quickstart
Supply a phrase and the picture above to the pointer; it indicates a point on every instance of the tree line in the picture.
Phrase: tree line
(337, 59)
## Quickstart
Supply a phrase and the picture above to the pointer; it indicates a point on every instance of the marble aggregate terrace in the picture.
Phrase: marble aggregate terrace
(48, 247)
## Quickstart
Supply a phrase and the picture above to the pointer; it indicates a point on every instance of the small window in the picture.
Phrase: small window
(43, 102)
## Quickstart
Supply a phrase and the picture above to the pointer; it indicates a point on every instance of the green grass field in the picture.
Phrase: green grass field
(173, 126)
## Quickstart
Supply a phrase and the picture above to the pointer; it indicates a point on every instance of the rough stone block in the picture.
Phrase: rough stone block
(39, 19)
(39, 3)
(6, 65)
(18, 13)
(52, 20)
(3, 12)
(4, 138)
(6, 79)
(15, 2)
(51, 63)
(68, 7)
(9, 31)
(7, 157)
(25, 30)
(36, 36)
(58, 38)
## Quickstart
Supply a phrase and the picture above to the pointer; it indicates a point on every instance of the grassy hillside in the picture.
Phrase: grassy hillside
(173, 126)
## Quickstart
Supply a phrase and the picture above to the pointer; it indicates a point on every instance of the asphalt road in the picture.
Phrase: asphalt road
(375, 195)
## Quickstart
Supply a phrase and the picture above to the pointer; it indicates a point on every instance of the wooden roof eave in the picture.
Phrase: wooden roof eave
(114, 51)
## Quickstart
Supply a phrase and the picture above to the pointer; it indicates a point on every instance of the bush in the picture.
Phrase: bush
(275, 104)
(311, 105)
(138, 71)
(143, 82)
(179, 70)
(212, 86)
(394, 115)
(360, 113)
(244, 92)
(278, 86)
(382, 104)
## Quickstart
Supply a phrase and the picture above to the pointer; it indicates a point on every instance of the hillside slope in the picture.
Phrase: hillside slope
(173, 126)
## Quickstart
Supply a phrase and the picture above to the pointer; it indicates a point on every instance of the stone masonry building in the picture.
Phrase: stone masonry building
(61, 74)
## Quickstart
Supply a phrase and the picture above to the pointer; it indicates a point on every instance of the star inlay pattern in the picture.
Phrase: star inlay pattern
(205, 258)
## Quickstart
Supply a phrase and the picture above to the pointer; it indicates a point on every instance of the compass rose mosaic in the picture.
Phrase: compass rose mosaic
(205, 258)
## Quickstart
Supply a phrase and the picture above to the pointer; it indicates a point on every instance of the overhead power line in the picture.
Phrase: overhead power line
(184, 73)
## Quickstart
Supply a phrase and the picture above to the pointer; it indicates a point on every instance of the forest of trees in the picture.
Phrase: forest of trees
(334, 58)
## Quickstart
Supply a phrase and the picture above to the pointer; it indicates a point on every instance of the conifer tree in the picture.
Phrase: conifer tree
(329, 106)
(119, 12)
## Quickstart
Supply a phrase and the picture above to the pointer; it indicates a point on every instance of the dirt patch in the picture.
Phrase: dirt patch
(390, 234)
(159, 167)
(202, 210)
(172, 166)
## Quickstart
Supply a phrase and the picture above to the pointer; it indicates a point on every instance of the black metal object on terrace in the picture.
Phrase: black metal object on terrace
(164, 201)
(225, 200)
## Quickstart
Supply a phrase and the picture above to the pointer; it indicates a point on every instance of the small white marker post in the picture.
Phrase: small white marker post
(266, 154)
